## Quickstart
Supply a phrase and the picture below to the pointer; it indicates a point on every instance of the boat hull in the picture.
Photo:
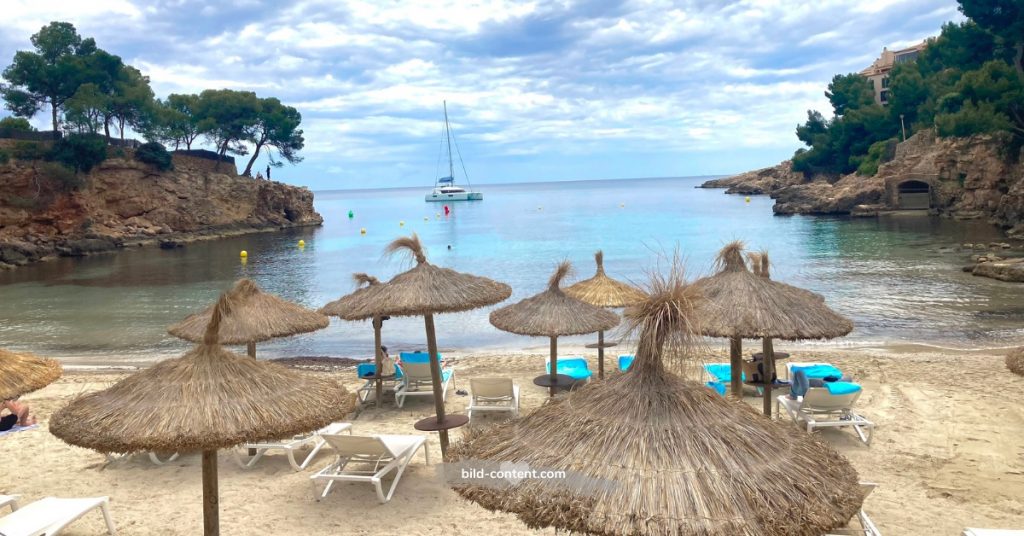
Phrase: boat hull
(455, 196)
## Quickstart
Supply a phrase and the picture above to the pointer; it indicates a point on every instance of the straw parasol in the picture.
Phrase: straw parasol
(649, 453)
(24, 373)
(256, 316)
(341, 308)
(743, 305)
(604, 291)
(425, 290)
(553, 313)
(1015, 361)
(206, 400)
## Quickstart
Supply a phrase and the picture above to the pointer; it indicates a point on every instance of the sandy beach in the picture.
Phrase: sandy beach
(947, 453)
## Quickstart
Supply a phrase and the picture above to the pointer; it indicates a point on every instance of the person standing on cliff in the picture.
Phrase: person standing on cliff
(268, 172)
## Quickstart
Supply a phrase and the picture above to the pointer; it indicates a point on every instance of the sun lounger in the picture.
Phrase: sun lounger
(574, 367)
(867, 527)
(828, 407)
(493, 394)
(814, 371)
(417, 381)
(153, 457)
(721, 372)
(49, 516)
(313, 440)
(625, 361)
(365, 371)
(992, 532)
(378, 456)
(9, 500)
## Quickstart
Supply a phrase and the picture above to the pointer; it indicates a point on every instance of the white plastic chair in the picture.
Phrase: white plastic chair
(50, 515)
(493, 394)
(417, 381)
(314, 440)
(377, 455)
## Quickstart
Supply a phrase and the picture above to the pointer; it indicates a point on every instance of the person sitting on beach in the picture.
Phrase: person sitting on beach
(19, 415)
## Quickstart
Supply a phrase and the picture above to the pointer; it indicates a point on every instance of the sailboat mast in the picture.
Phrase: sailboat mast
(448, 134)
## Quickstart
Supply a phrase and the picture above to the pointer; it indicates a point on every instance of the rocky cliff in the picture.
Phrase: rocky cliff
(125, 201)
(966, 178)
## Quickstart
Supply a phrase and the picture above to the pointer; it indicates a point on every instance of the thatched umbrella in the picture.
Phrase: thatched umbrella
(650, 453)
(1015, 361)
(553, 313)
(604, 291)
(742, 305)
(342, 308)
(255, 316)
(206, 400)
(24, 373)
(425, 290)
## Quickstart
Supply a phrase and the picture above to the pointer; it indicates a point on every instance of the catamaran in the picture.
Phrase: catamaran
(444, 187)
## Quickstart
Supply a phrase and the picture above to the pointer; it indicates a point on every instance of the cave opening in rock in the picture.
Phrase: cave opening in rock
(914, 195)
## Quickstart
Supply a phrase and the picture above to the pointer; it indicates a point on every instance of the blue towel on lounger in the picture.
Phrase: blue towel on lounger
(800, 384)
(366, 370)
(842, 388)
(819, 372)
(722, 372)
(574, 367)
(718, 387)
(625, 361)
(418, 357)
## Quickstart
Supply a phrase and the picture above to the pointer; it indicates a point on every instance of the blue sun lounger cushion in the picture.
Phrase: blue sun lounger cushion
(574, 367)
(842, 388)
(819, 372)
(366, 370)
(418, 357)
(722, 372)
(625, 361)
(718, 387)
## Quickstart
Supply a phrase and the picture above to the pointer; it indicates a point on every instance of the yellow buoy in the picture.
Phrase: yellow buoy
(302, 243)
(362, 230)
(747, 199)
(401, 223)
(426, 218)
(244, 254)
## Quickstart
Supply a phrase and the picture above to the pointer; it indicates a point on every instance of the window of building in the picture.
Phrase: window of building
(885, 82)
(884, 97)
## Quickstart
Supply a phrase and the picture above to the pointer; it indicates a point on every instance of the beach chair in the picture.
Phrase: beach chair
(365, 371)
(247, 455)
(376, 457)
(416, 381)
(49, 516)
(574, 367)
(493, 394)
(828, 407)
(992, 532)
(721, 373)
(867, 527)
(9, 500)
(153, 457)
(625, 361)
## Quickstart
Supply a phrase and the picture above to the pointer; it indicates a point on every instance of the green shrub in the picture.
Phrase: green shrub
(61, 176)
(27, 203)
(80, 152)
(5, 156)
(16, 123)
(28, 150)
(879, 153)
(119, 152)
(154, 154)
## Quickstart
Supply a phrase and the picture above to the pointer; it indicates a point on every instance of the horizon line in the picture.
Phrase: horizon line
(554, 181)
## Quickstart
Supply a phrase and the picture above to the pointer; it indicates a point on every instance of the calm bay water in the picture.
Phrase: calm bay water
(893, 276)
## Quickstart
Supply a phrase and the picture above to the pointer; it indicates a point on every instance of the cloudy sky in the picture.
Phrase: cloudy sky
(536, 90)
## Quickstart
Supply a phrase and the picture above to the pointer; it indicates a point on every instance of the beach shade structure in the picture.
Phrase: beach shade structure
(342, 308)
(22, 373)
(741, 305)
(603, 291)
(553, 313)
(206, 400)
(425, 290)
(1015, 361)
(647, 452)
(255, 316)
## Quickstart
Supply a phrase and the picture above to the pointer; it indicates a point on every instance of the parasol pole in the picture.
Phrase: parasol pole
(379, 358)
(769, 371)
(250, 347)
(600, 354)
(435, 376)
(554, 364)
(211, 501)
(736, 365)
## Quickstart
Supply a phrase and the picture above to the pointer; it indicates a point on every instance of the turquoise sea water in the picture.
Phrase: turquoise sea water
(894, 276)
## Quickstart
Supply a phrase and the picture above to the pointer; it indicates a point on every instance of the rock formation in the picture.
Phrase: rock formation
(125, 201)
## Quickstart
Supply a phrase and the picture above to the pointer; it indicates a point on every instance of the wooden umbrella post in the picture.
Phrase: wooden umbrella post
(554, 365)
(435, 376)
(736, 366)
(211, 501)
(769, 370)
(379, 358)
(600, 354)
(251, 349)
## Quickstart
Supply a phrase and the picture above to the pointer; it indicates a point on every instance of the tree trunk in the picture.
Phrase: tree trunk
(255, 155)
(106, 127)
(53, 114)
(1019, 61)
(120, 127)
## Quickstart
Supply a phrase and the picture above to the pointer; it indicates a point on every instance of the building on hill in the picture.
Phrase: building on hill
(878, 72)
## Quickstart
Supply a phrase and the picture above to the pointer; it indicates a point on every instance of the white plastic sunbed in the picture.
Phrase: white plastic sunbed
(9, 500)
(493, 394)
(378, 455)
(49, 516)
(313, 440)
(417, 381)
(867, 527)
(992, 532)
(153, 457)
(821, 409)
